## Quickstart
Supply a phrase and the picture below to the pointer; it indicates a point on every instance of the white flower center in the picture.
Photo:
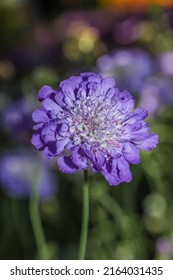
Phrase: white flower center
(95, 120)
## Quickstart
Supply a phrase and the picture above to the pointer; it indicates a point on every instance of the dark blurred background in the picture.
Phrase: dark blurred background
(43, 42)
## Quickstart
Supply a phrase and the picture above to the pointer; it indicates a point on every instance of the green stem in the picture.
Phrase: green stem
(85, 217)
(37, 225)
(19, 223)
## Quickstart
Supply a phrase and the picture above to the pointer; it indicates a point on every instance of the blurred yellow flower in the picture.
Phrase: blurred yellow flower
(82, 39)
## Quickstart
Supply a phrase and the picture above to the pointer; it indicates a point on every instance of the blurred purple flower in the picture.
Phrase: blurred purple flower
(19, 172)
(164, 246)
(89, 121)
(131, 67)
(125, 30)
(166, 63)
(169, 18)
(17, 120)
(156, 94)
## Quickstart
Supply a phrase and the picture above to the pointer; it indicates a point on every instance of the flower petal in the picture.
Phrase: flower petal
(49, 133)
(90, 76)
(36, 141)
(100, 158)
(50, 105)
(68, 89)
(66, 165)
(127, 101)
(124, 170)
(55, 148)
(149, 143)
(40, 116)
(79, 158)
(61, 144)
(107, 83)
(110, 172)
(136, 131)
(63, 131)
(140, 114)
(131, 153)
(112, 179)
(50, 151)
(45, 92)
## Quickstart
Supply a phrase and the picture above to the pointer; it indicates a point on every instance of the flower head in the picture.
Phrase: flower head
(89, 122)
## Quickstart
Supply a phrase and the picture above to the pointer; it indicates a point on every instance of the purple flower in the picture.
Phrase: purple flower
(125, 31)
(166, 63)
(18, 171)
(164, 246)
(89, 122)
(16, 118)
(131, 67)
(156, 94)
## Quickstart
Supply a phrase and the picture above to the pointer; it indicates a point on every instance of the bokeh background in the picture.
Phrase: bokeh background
(43, 42)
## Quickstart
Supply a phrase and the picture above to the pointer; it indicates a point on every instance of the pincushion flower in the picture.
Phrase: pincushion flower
(87, 123)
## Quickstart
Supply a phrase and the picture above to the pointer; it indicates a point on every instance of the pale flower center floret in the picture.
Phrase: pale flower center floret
(95, 120)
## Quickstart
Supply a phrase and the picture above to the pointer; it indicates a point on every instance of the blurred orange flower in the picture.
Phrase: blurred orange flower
(135, 4)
